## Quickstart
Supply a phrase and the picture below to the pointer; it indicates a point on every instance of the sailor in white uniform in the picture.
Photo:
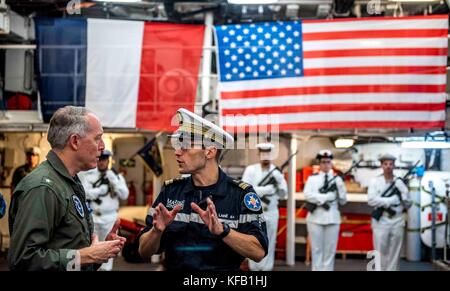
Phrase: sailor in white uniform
(323, 193)
(388, 231)
(269, 195)
(104, 187)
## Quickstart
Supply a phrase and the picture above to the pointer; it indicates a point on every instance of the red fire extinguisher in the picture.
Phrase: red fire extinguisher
(132, 194)
(149, 194)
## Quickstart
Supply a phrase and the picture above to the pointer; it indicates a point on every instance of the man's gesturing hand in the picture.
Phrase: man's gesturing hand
(163, 217)
(209, 217)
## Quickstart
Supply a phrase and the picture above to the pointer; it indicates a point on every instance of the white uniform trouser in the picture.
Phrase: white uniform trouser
(102, 230)
(267, 263)
(324, 238)
(388, 241)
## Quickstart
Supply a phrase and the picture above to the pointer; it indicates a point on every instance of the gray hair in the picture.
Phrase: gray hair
(66, 121)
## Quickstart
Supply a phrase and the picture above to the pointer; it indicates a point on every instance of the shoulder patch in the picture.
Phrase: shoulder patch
(241, 184)
(252, 201)
(171, 181)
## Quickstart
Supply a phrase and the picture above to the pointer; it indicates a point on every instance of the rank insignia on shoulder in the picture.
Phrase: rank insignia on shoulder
(252, 201)
(168, 182)
(47, 181)
(241, 184)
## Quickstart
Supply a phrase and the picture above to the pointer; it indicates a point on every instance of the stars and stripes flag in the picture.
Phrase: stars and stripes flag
(330, 74)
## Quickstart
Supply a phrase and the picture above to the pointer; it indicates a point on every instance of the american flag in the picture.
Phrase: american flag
(330, 74)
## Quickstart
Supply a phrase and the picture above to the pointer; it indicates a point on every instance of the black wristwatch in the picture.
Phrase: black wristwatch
(226, 230)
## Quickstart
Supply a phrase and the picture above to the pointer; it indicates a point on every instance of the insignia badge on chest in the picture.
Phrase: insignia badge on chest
(78, 205)
(252, 201)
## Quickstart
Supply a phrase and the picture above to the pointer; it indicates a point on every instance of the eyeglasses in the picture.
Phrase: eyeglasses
(325, 162)
(186, 145)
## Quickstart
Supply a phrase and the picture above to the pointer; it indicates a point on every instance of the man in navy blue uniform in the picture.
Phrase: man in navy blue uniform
(207, 221)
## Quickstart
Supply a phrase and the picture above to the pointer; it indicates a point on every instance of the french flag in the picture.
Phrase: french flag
(132, 74)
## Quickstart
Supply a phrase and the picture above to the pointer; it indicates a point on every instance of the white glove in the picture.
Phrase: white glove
(389, 201)
(111, 176)
(279, 177)
(330, 196)
(324, 198)
(265, 190)
(103, 189)
(270, 189)
(407, 204)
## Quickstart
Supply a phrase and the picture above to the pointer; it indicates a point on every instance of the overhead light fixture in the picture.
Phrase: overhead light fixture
(249, 2)
(344, 143)
(432, 140)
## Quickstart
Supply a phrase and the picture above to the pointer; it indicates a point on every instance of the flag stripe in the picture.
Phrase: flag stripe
(112, 86)
(61, 62)
(375, 43)
(168, 77)
(338, 116)
(374, 34)
(377, 22)
(337, 107)
(330, 99)
(432, 70)
(329, 81)
(376, 52)
(376, 61)
(340, 125)
(334, 90)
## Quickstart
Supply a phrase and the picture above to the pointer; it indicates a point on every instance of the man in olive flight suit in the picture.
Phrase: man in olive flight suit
(49, 221)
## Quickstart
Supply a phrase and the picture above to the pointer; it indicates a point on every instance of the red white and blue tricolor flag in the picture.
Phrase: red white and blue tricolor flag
(130, 73)
(333, 74)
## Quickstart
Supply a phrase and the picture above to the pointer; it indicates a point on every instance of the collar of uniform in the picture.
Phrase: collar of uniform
(58, 165)
(222, 177)
(330, 173)
(271, 166)
(191, 188)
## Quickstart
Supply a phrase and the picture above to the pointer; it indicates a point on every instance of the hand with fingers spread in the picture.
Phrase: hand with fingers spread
(209, 216)
(112, 235)
(163, 217)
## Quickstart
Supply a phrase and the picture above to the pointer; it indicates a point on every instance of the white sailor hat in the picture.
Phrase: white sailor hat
(33, 151)
(105, 154)
(265, 146)
(195, 128)
(387, 157)
(324, 154)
